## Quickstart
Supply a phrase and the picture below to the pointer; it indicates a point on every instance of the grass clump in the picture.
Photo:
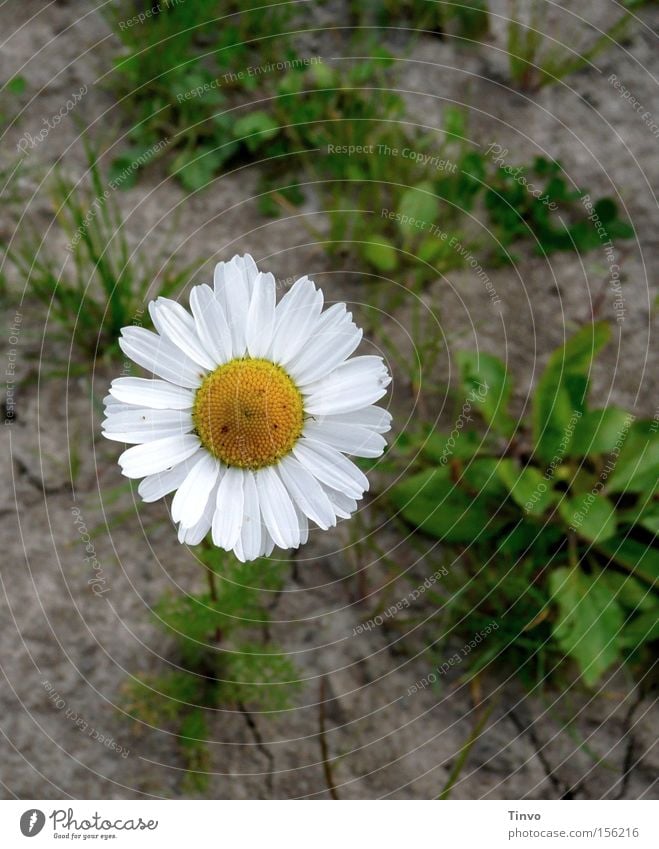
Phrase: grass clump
(99, 286)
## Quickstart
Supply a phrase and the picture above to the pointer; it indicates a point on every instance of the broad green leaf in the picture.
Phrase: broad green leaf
(480, 476)
(195, 169)
(443, 447)
(486, 384)
(255, 129)
(639, 559)
(591, 516)
(293, 82)
(647, 516)
(528, 487)
(580, 480)
(381, 253)
(323, 75)
(599, 431)
(561, 391)
(418, 209)
(629, 591)
(637, 464)
(642, 629)
(435, 250)
(530, 539)
(432, 502)
(588, 621)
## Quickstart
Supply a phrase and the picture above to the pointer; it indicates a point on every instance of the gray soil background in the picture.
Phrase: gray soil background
(564, 743)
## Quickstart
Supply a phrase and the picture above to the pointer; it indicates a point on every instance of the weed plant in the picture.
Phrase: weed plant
(549, 521)
(536, 61)
(221, 658)
(99, 286)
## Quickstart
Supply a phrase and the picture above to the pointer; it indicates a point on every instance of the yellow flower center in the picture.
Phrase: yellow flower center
(248, 413)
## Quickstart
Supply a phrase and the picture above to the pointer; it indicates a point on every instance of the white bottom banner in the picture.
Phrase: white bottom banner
(325, 825)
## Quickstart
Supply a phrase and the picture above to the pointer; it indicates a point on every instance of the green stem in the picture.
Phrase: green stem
(212, 587)
(464, 754)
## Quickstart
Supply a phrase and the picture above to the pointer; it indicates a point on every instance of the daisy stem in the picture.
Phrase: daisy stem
(212, 585)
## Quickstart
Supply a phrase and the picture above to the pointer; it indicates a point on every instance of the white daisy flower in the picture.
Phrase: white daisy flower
(250, 412)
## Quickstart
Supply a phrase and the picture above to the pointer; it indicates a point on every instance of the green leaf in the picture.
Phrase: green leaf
(588, 621)
(124, 169)
(195, 169)
(629, 591)
(255, 129)
(527, 487)
(323, 75)
(591, 516)
(418, 209)
(561, 392)
(433, 249)
(455, 121)
(639, 559)
(16, 85)
(481, 477)
(529, 539)
(486, 383)
(443, 447)
(473, 18)
(599, 431)
(432, 502)
(642, 629)
(259, 675)
(645, 515)
(637, 465)
(381, 253)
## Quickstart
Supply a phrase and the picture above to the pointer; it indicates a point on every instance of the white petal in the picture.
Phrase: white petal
(160, 484)
(248, 270)
(211, 323)
(330, 467)
(306, 492)
(134, 416)
(233, 291)
(295, 319)
(347, 438)
(261, 316)
(302, 525)
(245, 266)
(326, 350)
(374, 418)
(195, 534)
(331, 319)
(141, 424)
(228, 517)
(354, 384)
(157, 456)
(249, 544)
(173, 322)
(267, 544)
(110, 403)
(190, 501)
(277, 509)
(158, 394)
(160, 356)
(343, 505)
